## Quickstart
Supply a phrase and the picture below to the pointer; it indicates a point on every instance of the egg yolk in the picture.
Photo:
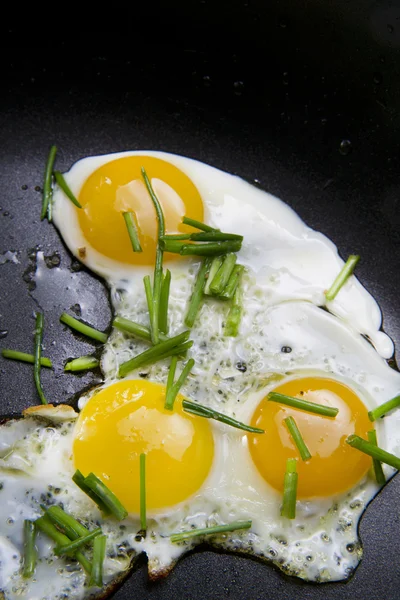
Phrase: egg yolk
(128, 418)
(118, 187)
(334, 466)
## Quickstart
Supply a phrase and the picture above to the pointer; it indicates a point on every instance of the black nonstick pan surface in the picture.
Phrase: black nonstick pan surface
(302, 98)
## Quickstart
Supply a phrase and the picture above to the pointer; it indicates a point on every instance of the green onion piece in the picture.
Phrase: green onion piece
(59, 177)
(79, 479)
(215, 236)
(171, 373)
(215, 265)
(47, 527)
(143, 521)
(173, 390)
(203, 411)
(158, 268)
(180, 351)
(164, 298)
(24, 357)
(132, 231)
(106, 496)
(174, 246)
(288, 509)
(201, 249)
(197, 294)
(378, 471)
(30, 553)
(83, 363)
(99, 553)
(343, 276)
(384, 408)
(184, 535)
(234, 317)
(149, 299)
(47, 186)
(152, 354)
(83, 329)
(301, 404)
(176, 236)
(297, 438)
(70, 526)
(139, 331)
(224, 272)
(38, 356)
(229, 290)
(374, 451)
(78, 543)
(197, 224)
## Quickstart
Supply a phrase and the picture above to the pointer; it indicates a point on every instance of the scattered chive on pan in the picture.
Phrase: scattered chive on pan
(176, 236)
(301, 404)
(139, 331)
(78, 543)
(132, 231)
(229, 290)
(143, 519)
(173, 389)
(47, 186)
(30, 553)
(24, 357)
(99, 553)
(59, 177)
(38, 356)
(197, 224)
(171, 374)
(164, 299)
(83, 363)
(152, 354)
(79, 480)
(224, 272)
(45, 525)
(343, 276)
(378, 471)
(384, 408)
(158, 268)
(106, 496)
(149, 299)
(184, 535)
(234, 317)
(197, 294)
(288, 509)
(68, 524)
(374, 451)
(203, 411)
(201, 249)
(80, 327)
(297, 438)
(215, 265)
(215, 236)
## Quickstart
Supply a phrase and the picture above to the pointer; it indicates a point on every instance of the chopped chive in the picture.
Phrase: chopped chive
(197, 294)
(203, 411)
(288, 508)
(139, 331)
(180, 350)
(70, 526)
(78, 543)
(234, 317)
(59, 177)
(201, 249)
(83, 363)
(83, 329)
(79, 480)
(152, 354)
(30, 553)
(378, 471)
(38, 356)
(106, 496)
(164, 299)
(343, 276)
(184, 535)
(143, 521)
(24, 357)
(47, 186)
(46, 526)
(171, 374)
(173, 390)
(301, 404)
(384, 408)
(176, 236)
(197, 224)
(99, 553)
(215, 265)
(215, 236)
(132, 231)
(297, 438)
(229, 290)
(149, 299)
(158, 268)
(374, 451)
(224, 272)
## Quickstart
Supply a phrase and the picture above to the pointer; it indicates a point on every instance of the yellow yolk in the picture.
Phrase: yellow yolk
(118, 187)
(128, 418)
(334, 466)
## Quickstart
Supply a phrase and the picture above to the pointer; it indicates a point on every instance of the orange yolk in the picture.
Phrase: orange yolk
(128, 418)
(118, 187)
(334, 466)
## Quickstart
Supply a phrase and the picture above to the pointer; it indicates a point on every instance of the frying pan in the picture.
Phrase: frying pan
(300, 97)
